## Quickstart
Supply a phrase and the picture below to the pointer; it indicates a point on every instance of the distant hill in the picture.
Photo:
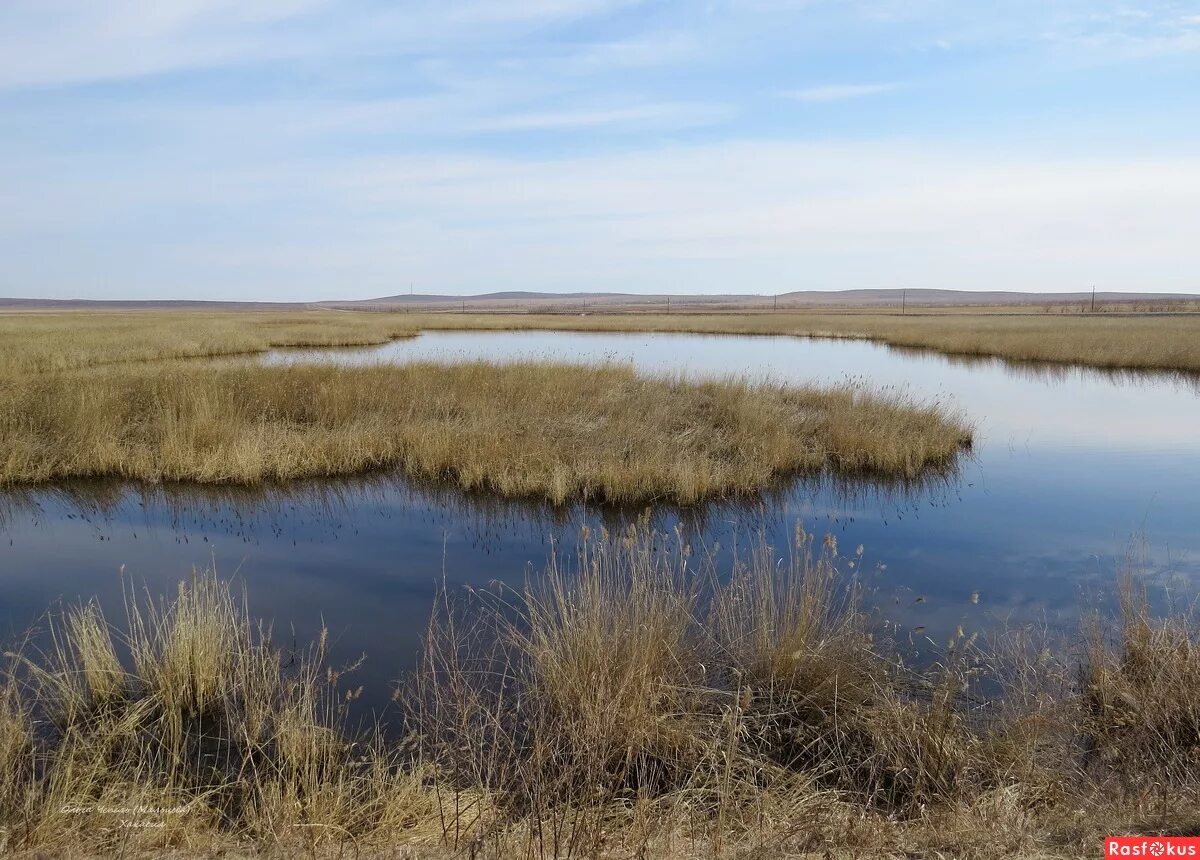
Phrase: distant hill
(148, 305)
(519, 300)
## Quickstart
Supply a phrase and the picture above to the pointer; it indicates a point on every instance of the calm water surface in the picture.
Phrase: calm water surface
(1070, 465)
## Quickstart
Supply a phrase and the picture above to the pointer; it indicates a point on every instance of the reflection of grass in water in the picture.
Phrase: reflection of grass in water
(552, 431)
(270, 505)
(632, 700)
(1033, 370)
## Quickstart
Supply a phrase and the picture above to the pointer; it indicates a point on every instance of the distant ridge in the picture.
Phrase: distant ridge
(521, 300)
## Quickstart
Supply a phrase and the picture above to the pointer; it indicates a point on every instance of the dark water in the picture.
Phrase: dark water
(1070, 465)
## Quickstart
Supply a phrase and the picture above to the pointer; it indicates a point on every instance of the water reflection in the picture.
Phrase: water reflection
(1056, 372)
(1068, 464)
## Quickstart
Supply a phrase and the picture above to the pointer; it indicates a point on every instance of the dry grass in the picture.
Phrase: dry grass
(529, 429)
(189, 731)
(37, 342)
(1142, 342)
(629, 703)
(635, 704)
(52, 340)
(1142, 692)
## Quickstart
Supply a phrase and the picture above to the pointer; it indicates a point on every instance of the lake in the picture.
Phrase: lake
(1073, 469)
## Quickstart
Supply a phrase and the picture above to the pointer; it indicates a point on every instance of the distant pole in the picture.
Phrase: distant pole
(1093, 298)
(775, 306)
(904, 301)
(464, 306)
(668, 304)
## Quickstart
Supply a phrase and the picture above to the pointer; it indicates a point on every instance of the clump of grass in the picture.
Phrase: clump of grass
(553, 431)
(635, 694)
(204, 733)
(632, 681)
(1141, 693)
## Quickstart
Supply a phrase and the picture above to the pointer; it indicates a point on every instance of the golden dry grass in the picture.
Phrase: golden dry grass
(189, 730)
(1141, 342)
(36, 342)
(527, 429)
(632, 702)
(636, 703)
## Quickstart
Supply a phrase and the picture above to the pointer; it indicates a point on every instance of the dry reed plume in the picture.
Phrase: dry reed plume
(529, 429)
(629, 703)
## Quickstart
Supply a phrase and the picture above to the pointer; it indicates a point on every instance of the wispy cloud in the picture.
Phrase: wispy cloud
(665, 115)
(839, 92)
(326, 148)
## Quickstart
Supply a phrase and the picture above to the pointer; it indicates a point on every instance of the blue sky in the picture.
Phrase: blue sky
(309, 149)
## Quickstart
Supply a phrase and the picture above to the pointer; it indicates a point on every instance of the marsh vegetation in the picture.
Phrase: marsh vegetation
(538, 429)
(632, 701)
(39, 341)
(1153, 342)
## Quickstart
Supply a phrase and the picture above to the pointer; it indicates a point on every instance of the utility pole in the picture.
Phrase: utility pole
(904, 301)
(775, 306)
(1093, 298)
(668, 304)
(464, 306)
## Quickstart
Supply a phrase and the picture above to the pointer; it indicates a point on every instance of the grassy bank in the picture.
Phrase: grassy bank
(528, 429)
(38, 342)
(629, 703)
(1133, 342)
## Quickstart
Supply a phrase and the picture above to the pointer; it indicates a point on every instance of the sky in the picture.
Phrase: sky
(311, 149)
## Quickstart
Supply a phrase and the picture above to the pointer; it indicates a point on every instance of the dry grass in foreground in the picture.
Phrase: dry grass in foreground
(628, 704)
(39, 342)
(528, 429)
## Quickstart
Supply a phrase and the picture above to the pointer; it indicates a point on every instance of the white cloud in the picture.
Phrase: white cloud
(61, 42)
(744, 216)
(839, 92)
(641, 116)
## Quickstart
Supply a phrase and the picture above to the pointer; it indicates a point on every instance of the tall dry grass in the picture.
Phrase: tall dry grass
(528, 429)
(635, 701)
(189, 730)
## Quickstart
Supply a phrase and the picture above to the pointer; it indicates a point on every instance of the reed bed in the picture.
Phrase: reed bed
(40, 342)
(634, 701)
(557, 432)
